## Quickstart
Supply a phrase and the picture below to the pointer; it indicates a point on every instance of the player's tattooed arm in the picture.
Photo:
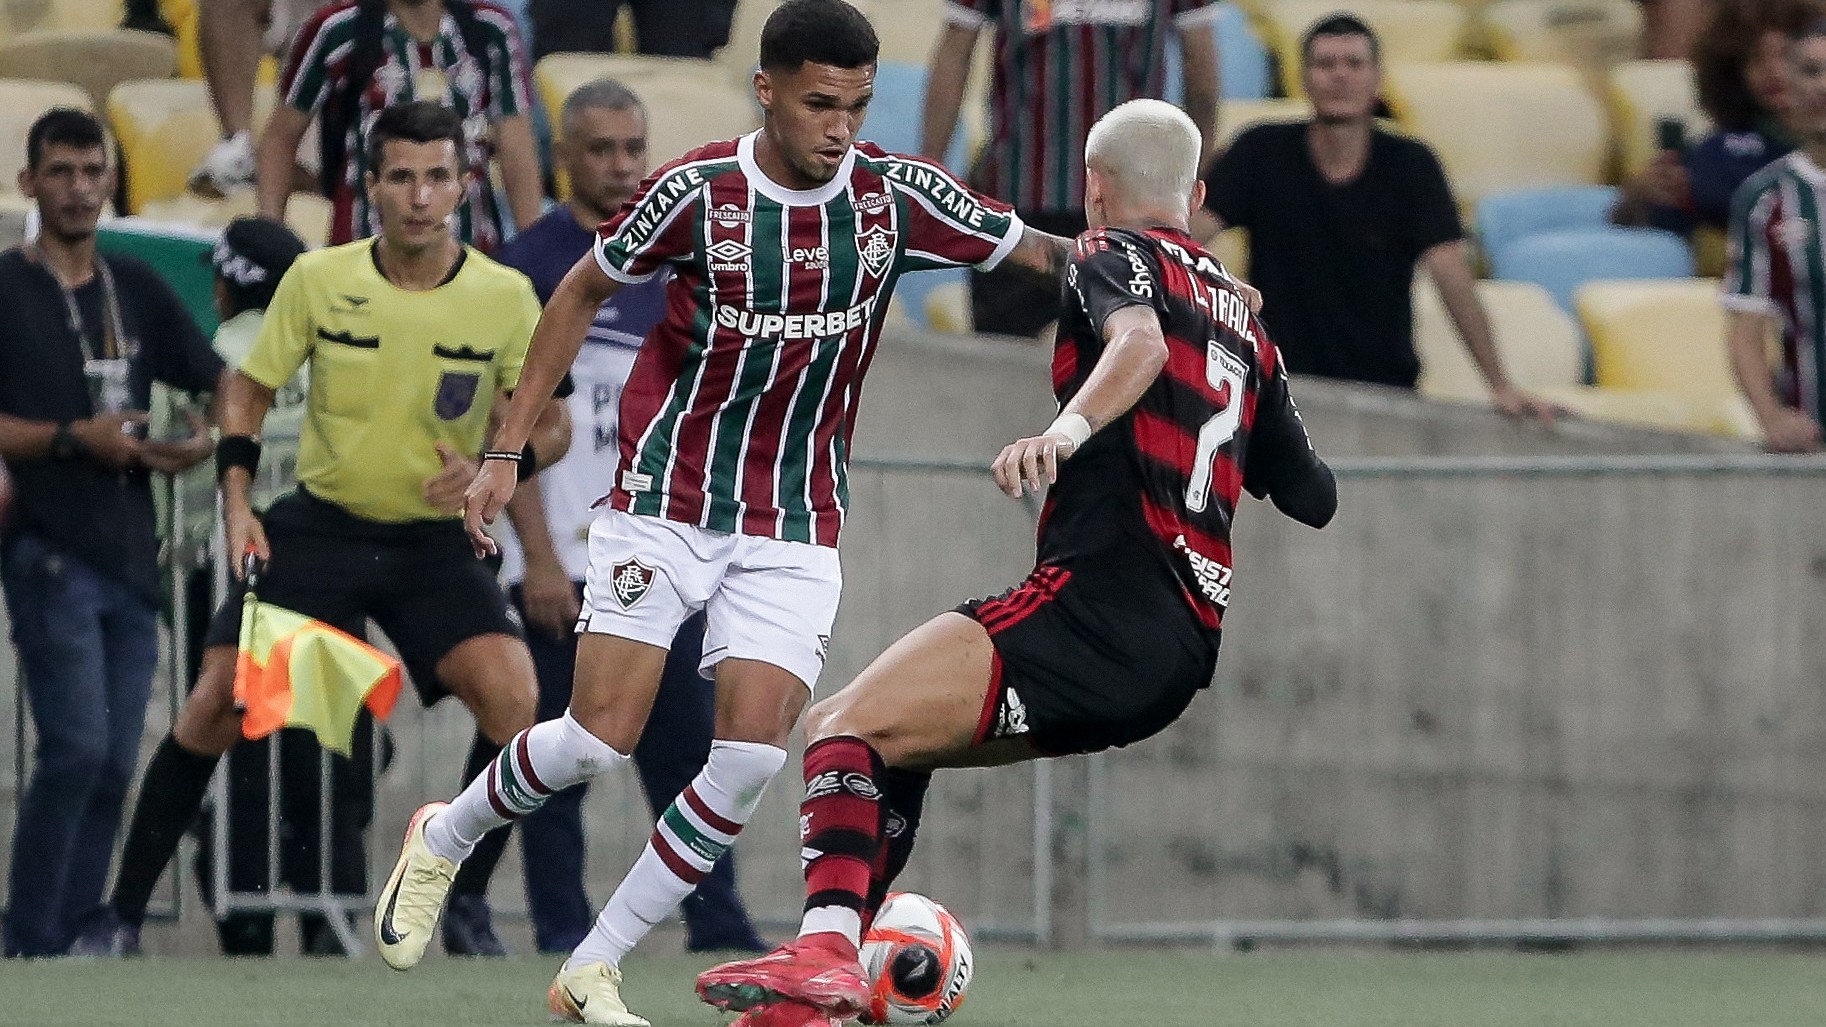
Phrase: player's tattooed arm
(1041, 252)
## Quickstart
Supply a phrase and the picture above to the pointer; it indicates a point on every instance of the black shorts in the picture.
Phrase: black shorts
(1081, 665)
(420, 582)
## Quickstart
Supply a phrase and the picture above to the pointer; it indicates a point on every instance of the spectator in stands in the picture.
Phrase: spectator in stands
(353, 58)
(1741, 69)
(662, 28)
(1039, 118)
(1339, 212)
(232, 37)
(83, 340)
(603, 151)
(1771, 282)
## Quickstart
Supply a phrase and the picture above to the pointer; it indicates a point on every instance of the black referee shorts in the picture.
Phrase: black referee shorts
(420, 582)
(1081, 666)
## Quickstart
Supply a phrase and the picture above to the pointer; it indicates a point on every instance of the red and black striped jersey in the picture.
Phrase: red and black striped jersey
(1150, 498)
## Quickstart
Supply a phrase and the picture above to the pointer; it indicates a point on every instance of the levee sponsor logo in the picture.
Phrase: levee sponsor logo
(795, 326)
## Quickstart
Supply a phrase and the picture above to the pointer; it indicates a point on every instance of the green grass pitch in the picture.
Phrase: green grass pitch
(1148, 988)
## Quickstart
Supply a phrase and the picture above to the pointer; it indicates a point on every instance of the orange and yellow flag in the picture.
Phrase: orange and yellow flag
(293, 671)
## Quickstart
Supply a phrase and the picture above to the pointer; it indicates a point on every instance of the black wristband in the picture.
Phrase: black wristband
(241, 451)
(65, 446)
(529, 463)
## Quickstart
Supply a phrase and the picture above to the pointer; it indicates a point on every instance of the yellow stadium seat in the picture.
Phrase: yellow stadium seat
(1665, 411)
(165, 126)
(21, 16)
(1641, 94)
(1589, 34)
(1503, 126)
(690, 102)
(96, 60)
(739, 57)
(1538, 341)
(1231, 248)
(1235, 115)
(908, 29)
(1661, 334)
(21, 102)
(1410, 30)
(307, 214)
(948, 309)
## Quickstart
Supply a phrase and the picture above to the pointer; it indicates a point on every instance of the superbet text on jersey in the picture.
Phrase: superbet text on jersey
(1217, 420)
(739, 411)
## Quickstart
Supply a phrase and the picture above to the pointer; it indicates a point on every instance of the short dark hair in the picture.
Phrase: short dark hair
(820, 32)
(419, 121)
(62, 126)
(1340, 24)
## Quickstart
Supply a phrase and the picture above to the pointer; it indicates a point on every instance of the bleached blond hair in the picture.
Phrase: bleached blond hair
(1148, 148)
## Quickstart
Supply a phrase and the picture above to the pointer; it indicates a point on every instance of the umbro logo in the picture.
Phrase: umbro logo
(728, 255)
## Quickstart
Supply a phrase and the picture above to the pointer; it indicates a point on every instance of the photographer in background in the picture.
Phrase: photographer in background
(1739, 65)
(84, 339)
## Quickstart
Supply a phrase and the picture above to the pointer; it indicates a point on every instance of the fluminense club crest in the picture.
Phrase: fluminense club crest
(876, 247)
(630, 581)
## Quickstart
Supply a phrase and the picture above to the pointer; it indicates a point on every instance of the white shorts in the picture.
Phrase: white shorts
(764, 599)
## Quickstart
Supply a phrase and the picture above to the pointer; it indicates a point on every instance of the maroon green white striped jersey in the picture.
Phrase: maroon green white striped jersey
(1058, 66)
(738, 414)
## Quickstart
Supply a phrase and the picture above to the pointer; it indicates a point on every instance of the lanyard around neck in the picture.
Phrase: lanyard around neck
(113, 329)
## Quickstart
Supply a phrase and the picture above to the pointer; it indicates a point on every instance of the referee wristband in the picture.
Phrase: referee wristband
(525, 461)
(241, 451)
(1073, 427)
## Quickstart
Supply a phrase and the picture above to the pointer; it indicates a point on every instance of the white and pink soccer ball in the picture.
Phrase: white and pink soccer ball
(917, 959)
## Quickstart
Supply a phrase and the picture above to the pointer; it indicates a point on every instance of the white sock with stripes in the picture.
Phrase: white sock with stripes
(537, 762)
(695, 830)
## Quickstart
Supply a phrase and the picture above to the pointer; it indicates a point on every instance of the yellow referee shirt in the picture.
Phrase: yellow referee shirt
(393, 372)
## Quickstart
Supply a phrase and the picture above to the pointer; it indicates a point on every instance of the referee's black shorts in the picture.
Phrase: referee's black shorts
(419, 581)
(1083, 663)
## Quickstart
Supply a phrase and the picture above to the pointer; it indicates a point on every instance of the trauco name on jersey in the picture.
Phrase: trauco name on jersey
(795, 326)
(1225, 307)
(1213, 577)
(939, 188)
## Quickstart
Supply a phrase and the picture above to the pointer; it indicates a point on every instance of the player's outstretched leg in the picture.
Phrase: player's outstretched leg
(918, 706)
(616, 679)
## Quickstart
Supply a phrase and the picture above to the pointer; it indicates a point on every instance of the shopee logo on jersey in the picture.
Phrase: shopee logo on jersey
(795, 326)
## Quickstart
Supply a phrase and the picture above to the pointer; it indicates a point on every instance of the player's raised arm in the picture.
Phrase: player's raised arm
(1041, 252)
(1135, 349)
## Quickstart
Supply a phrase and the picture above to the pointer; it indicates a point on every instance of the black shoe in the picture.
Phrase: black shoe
(469, 929)
(103, 936)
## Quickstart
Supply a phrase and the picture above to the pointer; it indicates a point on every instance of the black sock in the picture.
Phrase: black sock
(904, 793)
(473, 876)
(169, 796)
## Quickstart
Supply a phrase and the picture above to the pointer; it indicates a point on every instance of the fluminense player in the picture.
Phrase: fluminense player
(785, 246)
(1173, 402)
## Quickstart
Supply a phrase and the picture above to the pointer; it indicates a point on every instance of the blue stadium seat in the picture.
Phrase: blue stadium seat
(1242, 61)
(1503, 218)
(1562, 260)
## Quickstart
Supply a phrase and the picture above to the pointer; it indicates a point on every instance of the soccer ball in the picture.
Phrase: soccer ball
(917, 960)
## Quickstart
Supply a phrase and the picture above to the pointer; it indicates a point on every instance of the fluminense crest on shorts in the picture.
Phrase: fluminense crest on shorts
(629, 581)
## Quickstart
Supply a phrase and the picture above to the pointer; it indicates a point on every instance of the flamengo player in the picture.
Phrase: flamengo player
(1174, 402)
(786, 245)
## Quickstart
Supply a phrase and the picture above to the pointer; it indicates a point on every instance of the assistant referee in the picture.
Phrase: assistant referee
(412, 340)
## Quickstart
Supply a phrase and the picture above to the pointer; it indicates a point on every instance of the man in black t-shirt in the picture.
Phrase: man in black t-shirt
(1339, 213)
(82, 342)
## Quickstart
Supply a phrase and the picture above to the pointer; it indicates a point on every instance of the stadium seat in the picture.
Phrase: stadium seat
(691, 102)
(1504, 217)
(1539, 342)
(1410, 30)
(165, 126)
(908, 29)
(1243, 67)
(306, 213)
(1563, 260)
(946, 307)
(1582, 33)
(1644, 92)
(96, 60)
(896, 114)
(1235, 115)
(21, 16)
(1660, 335)
(1231, 248)
(21, 102)
(1503, 126)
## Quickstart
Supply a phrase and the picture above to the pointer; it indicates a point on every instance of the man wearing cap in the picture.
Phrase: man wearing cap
(84, 338)
(410, 337)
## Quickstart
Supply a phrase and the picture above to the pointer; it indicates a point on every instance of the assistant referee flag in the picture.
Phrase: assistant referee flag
(293, 671)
